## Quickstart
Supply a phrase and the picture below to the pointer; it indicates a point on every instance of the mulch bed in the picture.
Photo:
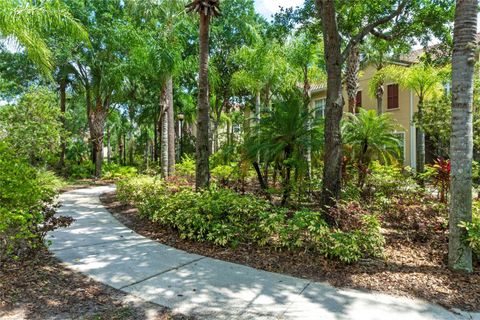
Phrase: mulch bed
(43, 288)
(410, 268)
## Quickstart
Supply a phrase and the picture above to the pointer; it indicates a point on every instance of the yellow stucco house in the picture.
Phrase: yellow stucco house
(399, 102)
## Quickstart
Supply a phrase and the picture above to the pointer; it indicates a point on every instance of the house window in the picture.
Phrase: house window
(358, 102)
(320, 108)
(401, 138)
(392, 93)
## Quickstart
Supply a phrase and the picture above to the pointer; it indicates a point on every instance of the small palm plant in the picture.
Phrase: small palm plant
(282, 136)
(370, 137)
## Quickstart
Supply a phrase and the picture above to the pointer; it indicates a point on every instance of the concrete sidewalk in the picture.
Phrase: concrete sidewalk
(98, 245)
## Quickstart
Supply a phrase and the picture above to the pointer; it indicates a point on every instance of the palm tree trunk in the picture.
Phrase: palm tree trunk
(353, 67)
(96, 117)
(202, 176)
(463, 63)
(420, 136)
(379, 93)
(287, 184)
(171, 128)
(164, 130)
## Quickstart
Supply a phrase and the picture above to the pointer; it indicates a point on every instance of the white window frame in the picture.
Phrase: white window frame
(324, 107)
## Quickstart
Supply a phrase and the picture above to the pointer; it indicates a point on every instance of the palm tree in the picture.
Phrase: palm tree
(371, 137)
(376, 52)
(164, 50)
(461, 146)
(27, 21)
(206, 9)
(282, 136)
(304, 54)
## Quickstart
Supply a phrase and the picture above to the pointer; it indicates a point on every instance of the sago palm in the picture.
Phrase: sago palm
(282, 136)
(28, 21)
(370, 137)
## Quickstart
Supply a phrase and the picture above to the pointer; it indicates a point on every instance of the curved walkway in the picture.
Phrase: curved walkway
(98, 245)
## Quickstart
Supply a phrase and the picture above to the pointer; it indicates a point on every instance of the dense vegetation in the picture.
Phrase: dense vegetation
(213, 133)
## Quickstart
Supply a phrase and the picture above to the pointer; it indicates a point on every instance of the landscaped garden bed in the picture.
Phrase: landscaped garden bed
(412, 262)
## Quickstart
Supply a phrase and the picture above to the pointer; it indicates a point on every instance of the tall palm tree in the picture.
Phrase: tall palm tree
(461, 145)
(26, 21)
(206, 9)
(371, 137)
(376, 52)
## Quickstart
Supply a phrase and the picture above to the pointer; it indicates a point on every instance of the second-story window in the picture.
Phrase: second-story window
(392, 93)
(358, 102)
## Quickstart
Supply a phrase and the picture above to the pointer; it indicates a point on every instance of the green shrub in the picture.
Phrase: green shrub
(226, 218)
(390, 180)
(26, 210)
(223, 173)
(32, 126)
(113, 171)
(473, 229)
(83, 170)
(186, 167)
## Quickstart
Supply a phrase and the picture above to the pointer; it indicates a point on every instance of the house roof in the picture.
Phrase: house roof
(317, 87)
(414, 56)
(406, 59)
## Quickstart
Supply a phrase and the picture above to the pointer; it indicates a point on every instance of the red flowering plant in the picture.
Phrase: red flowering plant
(441, 177)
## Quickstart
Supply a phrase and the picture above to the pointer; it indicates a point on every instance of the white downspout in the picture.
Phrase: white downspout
(413, 149)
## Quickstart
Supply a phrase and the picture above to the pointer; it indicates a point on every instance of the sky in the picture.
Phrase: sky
(269, 7)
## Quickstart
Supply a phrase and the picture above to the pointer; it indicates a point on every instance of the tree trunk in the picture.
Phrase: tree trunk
(120, 149)
(164, 130)
(202, 176)
(306, 103)
(171, 128)
(109, 146)
(155, 139)
(63, 108)
(147, 151)
(216, 143)
(124, 162)
(420, 137)
(131, 150)
(332, 170)
(257, 117)
(461, 146)
(379, 94)
(261, 181)
(96, 120)
(353, 67)
(287, 185)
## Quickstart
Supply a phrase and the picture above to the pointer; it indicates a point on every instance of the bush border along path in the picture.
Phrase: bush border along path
(98, 245)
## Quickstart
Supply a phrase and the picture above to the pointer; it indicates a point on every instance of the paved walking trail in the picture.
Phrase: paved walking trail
(98, 245)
